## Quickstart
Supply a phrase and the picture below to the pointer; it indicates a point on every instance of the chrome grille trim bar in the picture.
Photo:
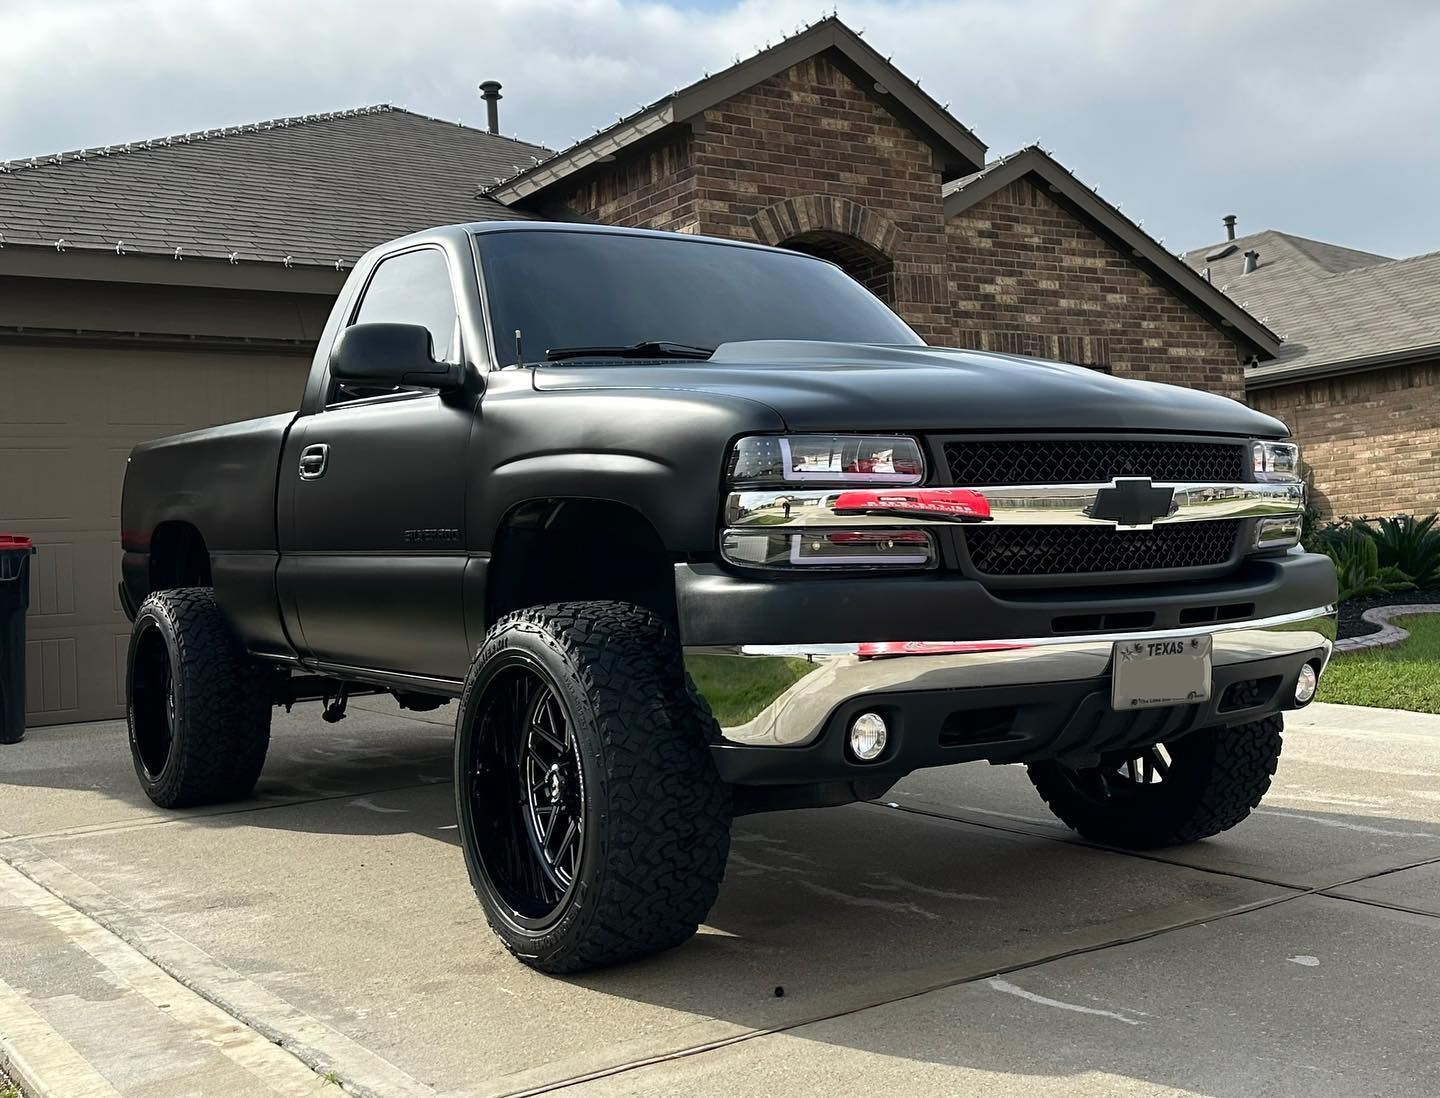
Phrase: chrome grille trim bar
(1027, 504)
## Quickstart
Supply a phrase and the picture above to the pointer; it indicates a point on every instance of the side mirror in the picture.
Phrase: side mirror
(384, 355)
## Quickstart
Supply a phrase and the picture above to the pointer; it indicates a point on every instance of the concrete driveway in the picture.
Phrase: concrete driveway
(952, 940)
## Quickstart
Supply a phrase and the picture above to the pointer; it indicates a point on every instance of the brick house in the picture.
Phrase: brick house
(1358, 376)
(152, 288)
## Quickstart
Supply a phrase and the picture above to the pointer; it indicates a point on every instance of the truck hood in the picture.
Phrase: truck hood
(863, 387)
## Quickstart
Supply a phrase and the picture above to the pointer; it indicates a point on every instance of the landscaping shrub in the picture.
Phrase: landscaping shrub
(1357, 564)
(1410, 544)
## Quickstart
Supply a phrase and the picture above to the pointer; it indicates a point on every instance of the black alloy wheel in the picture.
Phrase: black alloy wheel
(1124, 775)
(1186, 789)
(593, 822)
(527, 793)
(152, 688)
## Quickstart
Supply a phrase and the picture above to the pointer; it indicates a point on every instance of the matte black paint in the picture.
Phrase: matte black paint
(854, 387)
(327, 569)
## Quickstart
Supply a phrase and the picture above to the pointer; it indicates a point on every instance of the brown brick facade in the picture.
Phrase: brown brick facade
(1027, 277)
(652, 189)
(807, 159)
(805, 154)
(1373, 439)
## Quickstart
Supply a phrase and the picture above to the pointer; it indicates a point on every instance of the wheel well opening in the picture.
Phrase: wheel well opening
(178, 557)
(563, 550)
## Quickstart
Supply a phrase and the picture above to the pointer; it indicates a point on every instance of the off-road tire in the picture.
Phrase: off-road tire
(656, 814)
(1217, 776)
(220, 728)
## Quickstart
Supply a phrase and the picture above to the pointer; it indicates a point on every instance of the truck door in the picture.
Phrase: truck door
(373, 550)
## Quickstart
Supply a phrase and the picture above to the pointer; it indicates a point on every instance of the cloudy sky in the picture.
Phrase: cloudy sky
(1318, 117)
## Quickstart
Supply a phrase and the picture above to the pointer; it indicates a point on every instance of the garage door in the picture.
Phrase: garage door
(68, 418)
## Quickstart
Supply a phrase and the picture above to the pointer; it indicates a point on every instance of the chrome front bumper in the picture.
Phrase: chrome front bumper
(785, 695)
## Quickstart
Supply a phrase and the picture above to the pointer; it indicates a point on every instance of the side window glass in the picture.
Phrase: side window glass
(412, 288)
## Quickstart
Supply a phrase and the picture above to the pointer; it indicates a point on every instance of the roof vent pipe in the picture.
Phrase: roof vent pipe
(1252, 260)
(490, 92)
(1229, 219)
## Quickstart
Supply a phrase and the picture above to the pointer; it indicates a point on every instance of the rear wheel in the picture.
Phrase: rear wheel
(594, 825)
(1168, 794)
(198, 705)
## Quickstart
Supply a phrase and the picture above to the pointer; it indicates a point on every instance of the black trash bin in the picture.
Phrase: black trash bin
(15, 553)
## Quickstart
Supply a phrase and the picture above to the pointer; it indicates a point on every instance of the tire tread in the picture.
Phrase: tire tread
(1226, 777)
(226, 726)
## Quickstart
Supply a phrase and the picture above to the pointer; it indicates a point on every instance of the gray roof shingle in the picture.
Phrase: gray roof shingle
(1332, 304)
(317, 189)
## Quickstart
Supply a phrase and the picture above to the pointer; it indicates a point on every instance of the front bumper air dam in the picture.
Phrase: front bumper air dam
(785, 709)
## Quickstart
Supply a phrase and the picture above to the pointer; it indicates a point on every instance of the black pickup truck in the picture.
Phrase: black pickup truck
(694, 528)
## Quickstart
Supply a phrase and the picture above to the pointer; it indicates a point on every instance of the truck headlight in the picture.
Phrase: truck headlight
(797, 474)
(827, 459)
(1276, 461)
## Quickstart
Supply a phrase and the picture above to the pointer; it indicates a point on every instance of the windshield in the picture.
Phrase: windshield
(600, 291)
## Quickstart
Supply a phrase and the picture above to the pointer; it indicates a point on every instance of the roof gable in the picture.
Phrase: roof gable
(961, 149)
(1111, 224)
(1339, 309)
(315, 190)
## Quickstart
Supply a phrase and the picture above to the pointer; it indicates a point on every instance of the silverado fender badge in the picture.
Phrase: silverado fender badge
(1132, 501)
(952, 504)
(433, 535)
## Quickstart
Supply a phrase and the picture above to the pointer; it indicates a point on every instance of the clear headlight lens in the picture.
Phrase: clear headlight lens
(1276, 460)
(829, 548)
(827, 459)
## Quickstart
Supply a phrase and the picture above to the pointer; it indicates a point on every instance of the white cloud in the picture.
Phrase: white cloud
(1315, 117)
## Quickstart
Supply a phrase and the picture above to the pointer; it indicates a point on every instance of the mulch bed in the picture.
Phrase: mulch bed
(1353, 625)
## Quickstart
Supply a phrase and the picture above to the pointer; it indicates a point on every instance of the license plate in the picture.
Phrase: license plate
(1150, 673)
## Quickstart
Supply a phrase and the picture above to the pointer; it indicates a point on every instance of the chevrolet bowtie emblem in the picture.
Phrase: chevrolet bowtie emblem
(1132, 501)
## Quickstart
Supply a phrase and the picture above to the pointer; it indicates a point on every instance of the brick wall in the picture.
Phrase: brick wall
(1026, 277)
(810, 159)
(804, 153)
(1373, 439)
(770, 157)
(652, 188)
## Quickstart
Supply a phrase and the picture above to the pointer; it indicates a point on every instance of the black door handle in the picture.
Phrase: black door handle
(313, 460)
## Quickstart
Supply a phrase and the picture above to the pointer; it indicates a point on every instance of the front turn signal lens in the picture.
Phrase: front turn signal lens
(827, 459)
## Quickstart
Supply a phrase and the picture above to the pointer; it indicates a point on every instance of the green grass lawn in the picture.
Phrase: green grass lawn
(737, 689)
(1405, 676)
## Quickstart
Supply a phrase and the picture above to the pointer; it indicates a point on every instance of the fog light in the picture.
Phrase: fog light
(1305, 684)
(868, 735)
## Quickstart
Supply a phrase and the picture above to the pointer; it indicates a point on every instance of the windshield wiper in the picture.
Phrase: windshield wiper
(649, 348)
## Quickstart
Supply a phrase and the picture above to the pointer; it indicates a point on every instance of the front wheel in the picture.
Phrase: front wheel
(594, 825)
(1169, 794)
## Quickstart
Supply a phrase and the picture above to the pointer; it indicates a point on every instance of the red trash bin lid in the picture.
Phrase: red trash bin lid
(15, 541)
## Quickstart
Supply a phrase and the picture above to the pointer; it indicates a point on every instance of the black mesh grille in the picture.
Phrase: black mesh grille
(1079, 461)
(1071, 550)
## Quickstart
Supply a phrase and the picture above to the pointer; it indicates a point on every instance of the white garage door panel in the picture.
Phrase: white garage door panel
(68, 419)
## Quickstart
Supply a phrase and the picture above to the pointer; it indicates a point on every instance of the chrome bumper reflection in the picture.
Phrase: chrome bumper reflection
(779, 695)
(1048, 504)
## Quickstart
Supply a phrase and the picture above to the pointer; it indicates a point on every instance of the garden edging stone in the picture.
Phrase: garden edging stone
(1389, 633)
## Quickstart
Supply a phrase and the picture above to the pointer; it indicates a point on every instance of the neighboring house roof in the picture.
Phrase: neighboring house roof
(902, 95)
(1061, 185)
(1340, 310)
(315, 190)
